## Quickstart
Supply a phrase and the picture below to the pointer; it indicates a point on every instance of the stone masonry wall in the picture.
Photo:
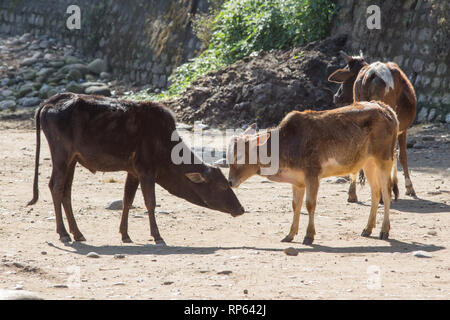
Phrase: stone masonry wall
(142, 40)
(416, 35)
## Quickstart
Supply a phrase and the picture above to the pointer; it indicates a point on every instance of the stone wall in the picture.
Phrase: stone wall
(416, 35)
(141, 40)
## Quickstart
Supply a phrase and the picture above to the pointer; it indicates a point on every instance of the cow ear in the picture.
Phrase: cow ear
(262, 139)
(251, 130)
(339, 76)
(195, 177)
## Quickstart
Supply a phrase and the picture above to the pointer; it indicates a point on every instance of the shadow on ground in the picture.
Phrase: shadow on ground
(152, 249)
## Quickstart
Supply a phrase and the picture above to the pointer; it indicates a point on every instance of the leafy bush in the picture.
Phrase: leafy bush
(241, 27)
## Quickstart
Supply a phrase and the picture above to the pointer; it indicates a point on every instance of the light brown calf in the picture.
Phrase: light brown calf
(318, 144)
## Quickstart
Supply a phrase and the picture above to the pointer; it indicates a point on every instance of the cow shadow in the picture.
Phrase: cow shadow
(391, 246)
(417, 205)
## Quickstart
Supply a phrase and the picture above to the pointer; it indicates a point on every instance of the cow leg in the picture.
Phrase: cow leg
(404, 162)
(352, 197)
(148, 190)
(312, 187)
(56, 185)
(67, 204)
(370, 171)
(131, 185)
(385, 179)
(297, 201)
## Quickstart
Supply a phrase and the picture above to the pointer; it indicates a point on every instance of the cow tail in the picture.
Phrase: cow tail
(362, 178)
(36, 164)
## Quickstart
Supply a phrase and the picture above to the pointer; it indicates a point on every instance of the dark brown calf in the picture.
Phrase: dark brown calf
(104, 134)
(318, 144)
(384, 82)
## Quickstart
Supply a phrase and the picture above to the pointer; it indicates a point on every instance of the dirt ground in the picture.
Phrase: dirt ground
(211, 255)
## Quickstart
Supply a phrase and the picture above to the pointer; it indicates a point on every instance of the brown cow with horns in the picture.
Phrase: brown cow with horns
(384, 82)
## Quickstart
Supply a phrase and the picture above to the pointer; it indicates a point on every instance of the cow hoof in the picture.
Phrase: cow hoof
(308, 241)
(126, 239)
(384, 235)
(410, 192)
(160, 242)
(65, 239)
(80, 238)
(352, 199)
(287, 239)
(365, 233)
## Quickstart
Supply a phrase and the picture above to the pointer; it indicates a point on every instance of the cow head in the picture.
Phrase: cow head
(346, 77)
(242, 155)
(211, 186)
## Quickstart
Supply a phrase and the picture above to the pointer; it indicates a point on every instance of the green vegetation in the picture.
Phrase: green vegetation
(237, 28)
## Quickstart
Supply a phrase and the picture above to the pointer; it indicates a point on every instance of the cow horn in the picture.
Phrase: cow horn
(361, 54)
(345, 56)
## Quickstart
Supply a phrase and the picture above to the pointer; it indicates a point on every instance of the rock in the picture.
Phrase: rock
(418, 146)
(29, 102)
(5, 82)
(422, 115)
(97, 66)
(25, 37)
(7, 93)
(432, 233)
(78, 67)
(163, 212)
(200, 125)
(447, 118)
(105, 76)
(245, 291)
(340, 180)
(61, 286)
(24, 90)
(102, 91)
(56, 63)
(18, 287)
(28, 61)
(74, 87)
(93, 255)
(431, 115)
(428, 138)
(184, 126)
(29, 75)
(18, 295)
(225, 272)
(291, 251)
(115, 205)
(91, 84)
(74, 74)
(422, 254)
(90, 77)
(119, 256)
(72, 60)
(7, 105)
(410, 143)
(43, 91)
(52, 92)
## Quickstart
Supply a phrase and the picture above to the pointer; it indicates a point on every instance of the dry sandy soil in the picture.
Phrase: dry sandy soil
(209, 254)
